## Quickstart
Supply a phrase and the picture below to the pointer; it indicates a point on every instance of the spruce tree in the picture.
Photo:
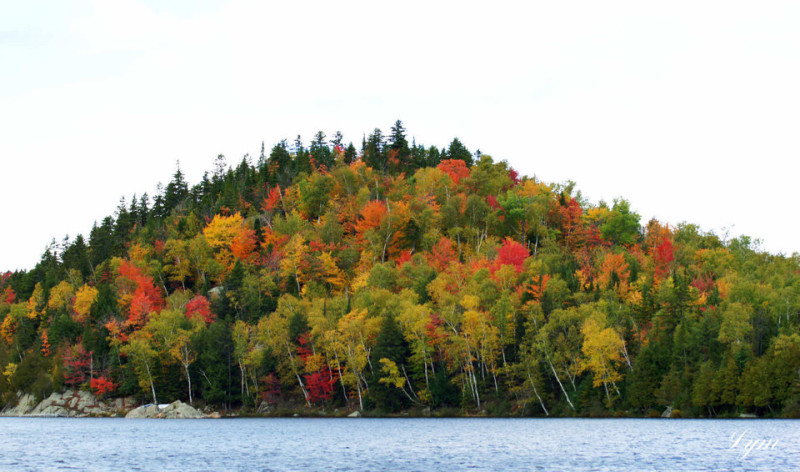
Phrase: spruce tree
(390, 345)
(399, 144)
(281, 171)
(374, 155)
(301, 158)
(349, 154)
(456, 150)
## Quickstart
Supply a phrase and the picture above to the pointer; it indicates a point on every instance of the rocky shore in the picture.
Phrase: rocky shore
(81, 404)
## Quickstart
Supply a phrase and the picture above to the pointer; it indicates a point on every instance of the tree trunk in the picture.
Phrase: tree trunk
(535, 392)
(188, 381)
(360, 399)
(152, 387)
(299, 380)
(559, 383)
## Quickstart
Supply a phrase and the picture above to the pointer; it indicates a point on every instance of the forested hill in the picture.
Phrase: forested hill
(403, 277)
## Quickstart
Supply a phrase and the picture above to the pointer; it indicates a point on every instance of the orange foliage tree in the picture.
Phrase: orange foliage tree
(455, 168)
(138, 295)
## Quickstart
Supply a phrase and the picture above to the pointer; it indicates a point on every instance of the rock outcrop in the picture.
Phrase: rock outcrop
(71, 403)
(174, 410)
(25, 403)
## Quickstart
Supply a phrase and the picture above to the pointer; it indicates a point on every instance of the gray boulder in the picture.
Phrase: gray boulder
(175, 410)
(144, 411)
(178, 409)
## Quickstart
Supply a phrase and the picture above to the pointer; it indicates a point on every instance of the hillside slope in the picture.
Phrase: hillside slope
(403, 277)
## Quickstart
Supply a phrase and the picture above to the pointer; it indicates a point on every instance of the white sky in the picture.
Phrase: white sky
(690, 110)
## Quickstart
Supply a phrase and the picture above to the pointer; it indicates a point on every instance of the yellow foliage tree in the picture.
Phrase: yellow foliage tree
(602, 349)
(356, 330)
(36, 302)
(292, 261)
(60, 296)
(180, 269)
(84, 299)
(173, 332)
(224, 235)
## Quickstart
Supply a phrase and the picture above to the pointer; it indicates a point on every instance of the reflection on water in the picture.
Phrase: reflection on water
(398, 444)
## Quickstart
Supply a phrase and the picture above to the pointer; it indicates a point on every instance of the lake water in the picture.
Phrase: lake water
(42, 444)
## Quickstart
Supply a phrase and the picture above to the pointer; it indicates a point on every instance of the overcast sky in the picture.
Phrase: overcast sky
(690, 110)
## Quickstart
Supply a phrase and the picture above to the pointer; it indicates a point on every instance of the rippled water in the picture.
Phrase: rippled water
(397, 444)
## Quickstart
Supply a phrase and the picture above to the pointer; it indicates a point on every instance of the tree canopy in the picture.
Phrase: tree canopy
(403, 276)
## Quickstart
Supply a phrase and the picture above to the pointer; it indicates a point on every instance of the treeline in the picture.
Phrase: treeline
(400, 276)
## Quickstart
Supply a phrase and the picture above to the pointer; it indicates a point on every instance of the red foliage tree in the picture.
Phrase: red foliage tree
(510, 253)
(572, 231)
(76, 362)
(304, 348)
(273, 200)
(704, 284)
(102, 386)
(403, 258)
(442, 254)
(455, 168)
(45, 344)
(272, 388)
(200, 306)
(320, 384)
(8, 292)
(665, 254)
(9, 296)
(145, 297)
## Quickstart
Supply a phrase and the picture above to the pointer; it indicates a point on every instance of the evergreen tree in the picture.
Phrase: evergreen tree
(374, 155)
(399, 144)
(456, 150)
(418, 155)
(337, 139)
(280, 165)
(301, 157)
(320, 151)
(177, 190)
(76, 256)
(433, 157)
(391, 345)
(349, 154)
(262, 160)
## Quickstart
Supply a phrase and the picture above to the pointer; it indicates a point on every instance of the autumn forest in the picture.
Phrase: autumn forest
(397, 278)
